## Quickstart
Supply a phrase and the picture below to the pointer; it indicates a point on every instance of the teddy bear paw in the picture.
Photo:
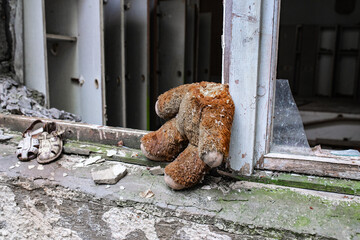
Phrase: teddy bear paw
(213, 159)
(150, 156)
(172, 184)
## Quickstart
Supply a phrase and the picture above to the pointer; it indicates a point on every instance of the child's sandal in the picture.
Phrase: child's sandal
(29, 146)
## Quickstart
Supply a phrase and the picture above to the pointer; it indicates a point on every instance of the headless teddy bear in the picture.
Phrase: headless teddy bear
(196, 135)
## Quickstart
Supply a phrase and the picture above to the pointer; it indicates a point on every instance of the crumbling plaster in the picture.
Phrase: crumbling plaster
(11, 38)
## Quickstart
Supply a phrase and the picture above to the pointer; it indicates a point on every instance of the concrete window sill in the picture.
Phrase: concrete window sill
(61, 198)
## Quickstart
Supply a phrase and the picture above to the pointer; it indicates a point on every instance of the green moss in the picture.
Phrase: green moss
(124, 154)
(343, 186)
(288, 209)
(92, 147)
(302, 221)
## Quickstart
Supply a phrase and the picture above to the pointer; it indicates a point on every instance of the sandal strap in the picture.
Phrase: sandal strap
(32, 126)
(50, 127)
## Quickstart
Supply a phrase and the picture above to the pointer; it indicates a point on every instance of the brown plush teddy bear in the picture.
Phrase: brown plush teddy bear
(196, 135)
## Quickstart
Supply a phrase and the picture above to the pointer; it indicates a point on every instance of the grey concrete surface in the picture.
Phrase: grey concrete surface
(60, 201)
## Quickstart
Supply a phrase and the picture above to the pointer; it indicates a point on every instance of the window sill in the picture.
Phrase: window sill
(313, 165)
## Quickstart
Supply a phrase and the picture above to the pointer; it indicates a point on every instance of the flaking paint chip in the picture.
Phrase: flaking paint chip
(206, 187)
(92, 160)
(147, 194)
(156, 170)
(31, 166)
(110, 153)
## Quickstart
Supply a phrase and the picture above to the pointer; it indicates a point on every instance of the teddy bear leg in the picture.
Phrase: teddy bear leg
(164, 144)
(187, 169)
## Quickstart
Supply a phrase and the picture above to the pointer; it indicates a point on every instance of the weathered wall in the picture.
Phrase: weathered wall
(5, 48)
(11, 38)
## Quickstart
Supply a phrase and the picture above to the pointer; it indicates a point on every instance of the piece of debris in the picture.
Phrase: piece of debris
(92, 160)
(110, 153)
(156, 170)
(316, 149)
(107, 186)
(122, 187)
(224, 189)
(133, 155)
(208, 198)
(120, 143)
(65, 174)
(206, 187)
(40, 167)
(11, 167)
(121, 154)
(31, 166)
(147, 194)
(110, 175)
(51, 178)
(4, 137)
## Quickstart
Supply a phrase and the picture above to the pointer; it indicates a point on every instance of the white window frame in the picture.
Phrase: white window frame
(250, 43)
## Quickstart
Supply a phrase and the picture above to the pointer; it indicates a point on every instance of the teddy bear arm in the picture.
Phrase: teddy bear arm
(214, 135)
(164, 144)
(168, 103)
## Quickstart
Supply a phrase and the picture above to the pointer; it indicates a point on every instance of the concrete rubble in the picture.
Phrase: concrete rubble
(18, 99)
(108, 174)
(158, 170)
(4, 137)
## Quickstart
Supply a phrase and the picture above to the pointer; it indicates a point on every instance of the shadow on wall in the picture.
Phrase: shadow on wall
(5, 48)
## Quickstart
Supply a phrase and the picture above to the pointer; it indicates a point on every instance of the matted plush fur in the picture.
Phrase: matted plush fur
(201, 116)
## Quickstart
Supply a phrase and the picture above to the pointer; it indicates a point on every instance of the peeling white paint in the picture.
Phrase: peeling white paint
(249, 62)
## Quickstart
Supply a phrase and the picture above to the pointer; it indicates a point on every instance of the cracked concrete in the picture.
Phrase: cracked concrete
(60, 201)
